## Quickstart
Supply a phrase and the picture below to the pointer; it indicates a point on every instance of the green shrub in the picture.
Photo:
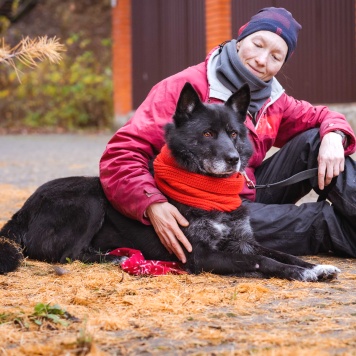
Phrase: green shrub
(71, 95)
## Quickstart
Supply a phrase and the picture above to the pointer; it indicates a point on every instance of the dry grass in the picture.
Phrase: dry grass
(198, 315)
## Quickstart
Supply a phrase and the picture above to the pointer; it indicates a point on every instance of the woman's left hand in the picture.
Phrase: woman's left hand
(331, 159)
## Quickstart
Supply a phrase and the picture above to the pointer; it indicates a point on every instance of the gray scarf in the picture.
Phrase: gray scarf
(233, 74)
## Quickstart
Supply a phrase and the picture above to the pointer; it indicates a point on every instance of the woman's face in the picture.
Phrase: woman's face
(263, 53)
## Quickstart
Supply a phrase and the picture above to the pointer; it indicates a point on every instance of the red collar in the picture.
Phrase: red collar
(196, 190)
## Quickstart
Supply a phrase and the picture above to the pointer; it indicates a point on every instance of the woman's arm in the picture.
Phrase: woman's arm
(300, 116)
(124, 172)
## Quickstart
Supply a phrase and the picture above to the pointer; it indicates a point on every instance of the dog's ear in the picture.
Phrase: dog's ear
(240, 100)
(187, 103)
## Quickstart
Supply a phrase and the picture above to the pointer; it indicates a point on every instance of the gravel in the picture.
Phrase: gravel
(31, 160)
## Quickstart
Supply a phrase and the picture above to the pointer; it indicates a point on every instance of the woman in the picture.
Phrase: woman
(308, 137)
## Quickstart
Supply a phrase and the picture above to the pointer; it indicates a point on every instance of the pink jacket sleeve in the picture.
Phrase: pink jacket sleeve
(124, 172)
(300, 116)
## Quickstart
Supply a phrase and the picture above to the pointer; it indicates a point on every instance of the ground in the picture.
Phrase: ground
(120, 314)
(113, 313)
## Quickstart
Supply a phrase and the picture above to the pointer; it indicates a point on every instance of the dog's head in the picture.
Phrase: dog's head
(210, 139)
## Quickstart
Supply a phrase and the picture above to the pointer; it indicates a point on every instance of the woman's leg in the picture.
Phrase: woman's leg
(297, 155)
(308, 229)
(312, 227)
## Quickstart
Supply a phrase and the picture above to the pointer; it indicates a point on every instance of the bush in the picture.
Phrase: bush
(71, 95)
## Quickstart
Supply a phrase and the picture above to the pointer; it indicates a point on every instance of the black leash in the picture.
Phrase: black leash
(309, 173)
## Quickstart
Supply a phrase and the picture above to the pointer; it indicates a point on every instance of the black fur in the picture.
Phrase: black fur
(70, 218)
(10, 255)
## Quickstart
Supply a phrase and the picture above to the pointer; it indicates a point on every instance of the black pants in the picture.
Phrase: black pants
(313, 227)
(278, 223)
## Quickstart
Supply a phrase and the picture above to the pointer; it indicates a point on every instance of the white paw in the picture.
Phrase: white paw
(309, 275)
(326, 271)
(319, 273)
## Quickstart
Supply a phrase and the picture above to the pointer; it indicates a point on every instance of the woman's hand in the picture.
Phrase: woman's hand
(331, 159)
(166, 219)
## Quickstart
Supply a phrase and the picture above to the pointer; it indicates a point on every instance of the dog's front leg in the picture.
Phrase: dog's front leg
(282, 257)
(322, 272)
(203, 259)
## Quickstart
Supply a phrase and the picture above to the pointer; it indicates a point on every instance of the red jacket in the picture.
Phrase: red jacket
(124, 173)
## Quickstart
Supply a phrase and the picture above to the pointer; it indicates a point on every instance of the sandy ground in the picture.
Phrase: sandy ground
(113, 313)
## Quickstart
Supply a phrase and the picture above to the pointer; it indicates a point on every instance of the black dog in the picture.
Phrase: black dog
(70, 218)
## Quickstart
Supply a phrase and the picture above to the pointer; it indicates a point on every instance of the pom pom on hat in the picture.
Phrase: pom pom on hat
(276, 20)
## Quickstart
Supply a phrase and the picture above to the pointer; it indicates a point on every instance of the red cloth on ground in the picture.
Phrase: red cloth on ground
(199, 191)
(137, 265)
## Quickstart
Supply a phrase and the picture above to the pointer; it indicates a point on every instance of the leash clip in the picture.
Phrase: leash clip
(249, 183)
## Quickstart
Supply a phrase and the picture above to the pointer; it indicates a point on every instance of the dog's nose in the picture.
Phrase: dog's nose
(232, 159)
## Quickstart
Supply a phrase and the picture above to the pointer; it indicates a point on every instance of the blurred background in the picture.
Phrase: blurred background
(73, 94)
(116, 50)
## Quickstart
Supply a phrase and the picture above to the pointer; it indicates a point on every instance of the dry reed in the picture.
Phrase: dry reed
(31, 51)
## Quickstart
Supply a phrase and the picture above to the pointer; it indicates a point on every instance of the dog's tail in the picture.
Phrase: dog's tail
(10, 255)
(11, 237)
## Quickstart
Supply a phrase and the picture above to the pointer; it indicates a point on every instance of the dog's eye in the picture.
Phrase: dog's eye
(208, 134)
(233, 134)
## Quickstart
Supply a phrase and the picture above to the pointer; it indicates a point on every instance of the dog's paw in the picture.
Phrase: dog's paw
(308, 275)
(296, 273)
(320, 273)
(326, 272)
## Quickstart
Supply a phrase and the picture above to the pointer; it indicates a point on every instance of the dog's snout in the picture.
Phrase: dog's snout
(232, 159)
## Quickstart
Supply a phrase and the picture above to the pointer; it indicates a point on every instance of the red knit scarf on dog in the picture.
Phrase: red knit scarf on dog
(196, 190)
